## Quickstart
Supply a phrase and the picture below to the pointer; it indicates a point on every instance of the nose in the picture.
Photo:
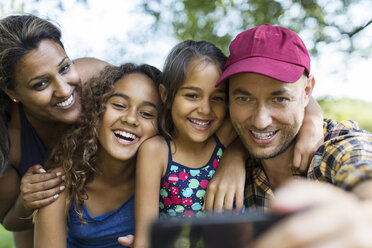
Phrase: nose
(130, 117)
(62, 88)
(262, 118)
(204, 107)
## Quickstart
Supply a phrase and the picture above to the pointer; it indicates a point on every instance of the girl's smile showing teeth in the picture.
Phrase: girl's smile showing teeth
(200, 124)
(66, 103)
(125, 137)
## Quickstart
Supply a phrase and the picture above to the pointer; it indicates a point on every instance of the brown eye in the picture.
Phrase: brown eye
(40, 85)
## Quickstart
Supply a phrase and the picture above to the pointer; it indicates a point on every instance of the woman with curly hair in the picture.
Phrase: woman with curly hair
(98, 157)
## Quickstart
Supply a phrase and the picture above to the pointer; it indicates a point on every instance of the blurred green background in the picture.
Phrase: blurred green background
(6, 238)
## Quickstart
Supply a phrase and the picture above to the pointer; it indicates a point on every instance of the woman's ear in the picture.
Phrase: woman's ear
(163, 93)
(11, 94)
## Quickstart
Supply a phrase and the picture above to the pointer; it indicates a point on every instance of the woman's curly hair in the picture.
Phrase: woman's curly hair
(76, 152)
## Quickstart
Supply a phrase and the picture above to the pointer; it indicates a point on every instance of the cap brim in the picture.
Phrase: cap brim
(276, 69)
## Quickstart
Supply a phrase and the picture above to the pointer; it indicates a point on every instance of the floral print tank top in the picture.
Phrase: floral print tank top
(182, 189)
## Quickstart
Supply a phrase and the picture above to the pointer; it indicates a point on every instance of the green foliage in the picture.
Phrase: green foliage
(219, 21)
(6, 238)
(348, 109)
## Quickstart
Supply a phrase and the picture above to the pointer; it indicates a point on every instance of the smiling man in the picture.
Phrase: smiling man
(269, 87)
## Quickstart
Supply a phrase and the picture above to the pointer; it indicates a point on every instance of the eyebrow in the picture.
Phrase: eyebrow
(42, 76)
(126, 97)
(189, 88)
(198, 89)
(280, 92)
(240, 92)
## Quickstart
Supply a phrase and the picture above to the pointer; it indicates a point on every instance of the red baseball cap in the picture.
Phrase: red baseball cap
(272, 51)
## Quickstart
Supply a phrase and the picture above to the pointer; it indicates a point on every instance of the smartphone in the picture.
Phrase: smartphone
(212, 231)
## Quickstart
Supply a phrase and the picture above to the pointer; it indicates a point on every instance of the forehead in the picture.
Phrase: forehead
(137, 86)
(47, 56)
(254, 83)
(202, 73)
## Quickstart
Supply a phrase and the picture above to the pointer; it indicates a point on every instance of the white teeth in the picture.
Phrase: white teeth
(200, 123)
(66, 103)
(125, 135)
(262, 135)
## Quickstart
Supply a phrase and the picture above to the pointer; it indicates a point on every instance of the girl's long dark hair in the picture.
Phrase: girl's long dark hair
(76, 152)
(174, 74)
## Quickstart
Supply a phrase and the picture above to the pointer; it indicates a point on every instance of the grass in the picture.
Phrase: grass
(348, 109)
(6, 238)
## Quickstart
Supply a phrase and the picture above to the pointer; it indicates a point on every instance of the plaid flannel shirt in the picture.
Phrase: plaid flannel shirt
(344, 159)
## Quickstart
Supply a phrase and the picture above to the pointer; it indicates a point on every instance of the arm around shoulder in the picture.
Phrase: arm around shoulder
(89, 67)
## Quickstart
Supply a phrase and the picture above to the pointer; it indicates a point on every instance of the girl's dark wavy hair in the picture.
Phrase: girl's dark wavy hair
(76, 152)
(174, 74)
(19, 34)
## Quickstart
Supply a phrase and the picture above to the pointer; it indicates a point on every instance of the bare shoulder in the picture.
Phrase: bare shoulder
(153, 156)
(89, 67)
(155, 144)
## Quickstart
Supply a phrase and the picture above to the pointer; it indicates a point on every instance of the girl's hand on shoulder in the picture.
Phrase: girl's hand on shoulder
(40, 188)
(309, 138)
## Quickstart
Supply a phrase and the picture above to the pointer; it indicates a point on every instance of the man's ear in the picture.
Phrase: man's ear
(309, 88)
(163, 93)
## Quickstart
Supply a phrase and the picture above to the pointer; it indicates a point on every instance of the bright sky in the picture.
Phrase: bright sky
(102, 29)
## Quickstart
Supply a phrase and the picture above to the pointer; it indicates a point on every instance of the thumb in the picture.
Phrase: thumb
(126, 240)
(36, 169)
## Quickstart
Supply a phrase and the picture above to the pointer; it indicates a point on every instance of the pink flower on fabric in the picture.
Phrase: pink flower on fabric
(173, 178)
(183, 176)
(204, 184)
(215, 163)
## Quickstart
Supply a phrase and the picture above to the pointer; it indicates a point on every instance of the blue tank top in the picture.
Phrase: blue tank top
(101, 231)
(182, 189)
(33, 150)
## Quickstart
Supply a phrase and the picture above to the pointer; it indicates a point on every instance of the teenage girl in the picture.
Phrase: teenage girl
(174, 169)
(98, 157)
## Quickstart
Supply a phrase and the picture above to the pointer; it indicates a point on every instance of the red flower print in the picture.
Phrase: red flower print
(165, 185)
(183, 176)
(204, 184)
(174, 190)
(215, 163)
(188, 213)
(173, 178)
(176, 200)
(187, 201)
(167, 201)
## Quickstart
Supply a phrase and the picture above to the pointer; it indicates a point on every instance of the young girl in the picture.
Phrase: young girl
(195, 132)
(98, 157)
